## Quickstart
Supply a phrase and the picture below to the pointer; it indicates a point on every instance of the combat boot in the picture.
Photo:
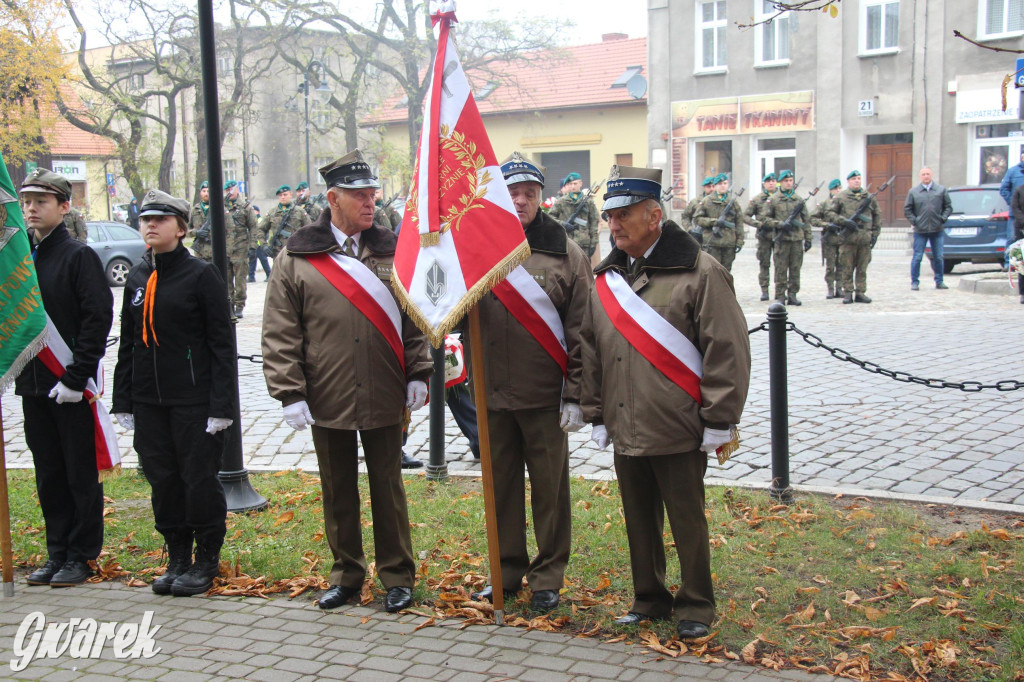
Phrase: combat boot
(848, 297)
(793, 300)
(199, 577)
(832, 292)
(179, 561)
(764, 294)
(861, 298)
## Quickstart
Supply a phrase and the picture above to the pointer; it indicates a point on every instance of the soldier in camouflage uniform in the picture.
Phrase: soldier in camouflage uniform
(75, 224)
(282, 221)
(240, 227)
(303, 200)
(710, 216)
(858, 237)
(199, 226)
(385, 216)
(585, 225)
(752, 216)
(829, 241)
(686, 219)
(792, 237)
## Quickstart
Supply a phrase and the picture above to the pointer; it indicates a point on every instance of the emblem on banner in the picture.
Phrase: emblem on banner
(460, 164)
(437, 283)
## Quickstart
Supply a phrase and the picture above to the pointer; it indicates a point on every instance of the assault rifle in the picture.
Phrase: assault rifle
(723, 220)
(281, 234)
(669, 192)
(570, 224)
(850, 224)
(789, 223)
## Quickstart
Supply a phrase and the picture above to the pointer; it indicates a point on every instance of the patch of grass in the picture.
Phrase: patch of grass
(847, 586)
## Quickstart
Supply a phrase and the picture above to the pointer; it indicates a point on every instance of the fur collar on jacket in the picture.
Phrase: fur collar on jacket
(676, 250)
(318, 237)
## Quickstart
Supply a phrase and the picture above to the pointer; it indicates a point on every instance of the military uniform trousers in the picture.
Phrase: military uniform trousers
(203, 249)
(238, 270)
(830, 252)
(337, 455)
(854, 256)
(650, 486)
(181, 460)
(789, 258)
(61, 438)
(534, 438)
(724, 255)
(764, 260)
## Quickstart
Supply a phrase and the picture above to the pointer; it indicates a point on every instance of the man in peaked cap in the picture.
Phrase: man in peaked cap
(531, 404)
(59, 426)
(661, 432)
(723, 234)
(829, 240)
(858, 237)
(332, 368)
(752, 215)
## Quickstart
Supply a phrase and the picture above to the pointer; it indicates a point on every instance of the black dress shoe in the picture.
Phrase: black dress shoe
(634, 618)
(43, 574)
(72, 573)
(691, 629)
(544, 600)
(336, 596)
(487, 594)
(397, 598)
(410, 462)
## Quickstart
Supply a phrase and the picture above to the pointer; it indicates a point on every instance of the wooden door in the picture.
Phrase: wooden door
(885, 161)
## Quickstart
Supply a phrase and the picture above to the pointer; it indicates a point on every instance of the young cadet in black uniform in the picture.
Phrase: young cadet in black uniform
(173, 385)
(59, 426)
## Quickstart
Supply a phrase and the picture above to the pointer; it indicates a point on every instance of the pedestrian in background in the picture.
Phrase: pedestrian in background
(1017, 211)
(927, 208)
(1013, 179)
(173, 385)
(133, 214)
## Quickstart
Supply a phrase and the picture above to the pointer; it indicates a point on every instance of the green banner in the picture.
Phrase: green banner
(22, 318)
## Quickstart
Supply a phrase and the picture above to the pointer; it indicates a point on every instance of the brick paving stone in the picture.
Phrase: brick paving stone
(429, 672)
(374, 676)
(592, 669)
(299, 665)
(385, 664)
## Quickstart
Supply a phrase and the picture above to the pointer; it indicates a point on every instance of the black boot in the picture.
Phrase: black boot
(764, 294)
(179, 561)
(199, 577)
(831, 293)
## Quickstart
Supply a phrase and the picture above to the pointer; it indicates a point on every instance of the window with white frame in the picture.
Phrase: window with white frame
(771, 42)
(880, 26)
(1000, 18)
(710, 40)
(320, 162)
(230, 169)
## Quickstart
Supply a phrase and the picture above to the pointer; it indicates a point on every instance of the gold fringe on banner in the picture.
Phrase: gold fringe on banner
(725, 451)
(111, 473)
(430, 239)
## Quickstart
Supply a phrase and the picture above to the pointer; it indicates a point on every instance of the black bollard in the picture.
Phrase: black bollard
(779, 395)
(437, 467)
(233, 476)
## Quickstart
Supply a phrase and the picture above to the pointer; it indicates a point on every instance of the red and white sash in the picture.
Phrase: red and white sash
(56, 356)
(528, 303)
(367, 293)
(652, 335)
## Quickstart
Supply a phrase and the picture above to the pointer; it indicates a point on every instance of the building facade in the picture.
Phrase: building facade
(883, 88)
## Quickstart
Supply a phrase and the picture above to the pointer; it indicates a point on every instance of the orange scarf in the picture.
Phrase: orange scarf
(147, 309)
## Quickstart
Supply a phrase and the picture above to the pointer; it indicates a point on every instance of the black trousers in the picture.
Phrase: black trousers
(460, 402)
(260, 253)
(62, 441)
(180, 461)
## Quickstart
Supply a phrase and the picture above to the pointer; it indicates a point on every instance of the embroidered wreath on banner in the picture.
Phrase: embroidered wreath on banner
(471, 162)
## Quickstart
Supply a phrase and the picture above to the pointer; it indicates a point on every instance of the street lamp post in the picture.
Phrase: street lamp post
(323, 89)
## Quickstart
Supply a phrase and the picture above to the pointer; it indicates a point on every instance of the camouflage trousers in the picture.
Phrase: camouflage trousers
(724, 255)
(203, 249)
(830, 252)
(238, 270)
(853, 266)
(764, 261)
(789, 258)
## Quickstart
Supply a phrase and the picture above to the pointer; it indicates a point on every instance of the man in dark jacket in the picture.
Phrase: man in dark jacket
(59, 426)
(927, 208)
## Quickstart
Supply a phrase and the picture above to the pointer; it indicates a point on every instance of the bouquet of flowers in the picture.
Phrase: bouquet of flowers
(1016, 257)
(548, 204)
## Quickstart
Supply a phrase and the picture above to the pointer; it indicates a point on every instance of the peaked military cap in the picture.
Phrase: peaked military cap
(205, 185)
(853, 174)
(770, 176)
(161, 203)
(48, 182)
(283, 188)
(785, 174)
(709, 180)
(301, 186)
(350, 172)
(628, 185)
(517, 168)
(229, 184)
(835, 184)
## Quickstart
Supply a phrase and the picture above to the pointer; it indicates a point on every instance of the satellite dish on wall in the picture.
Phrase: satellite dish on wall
(637, 86)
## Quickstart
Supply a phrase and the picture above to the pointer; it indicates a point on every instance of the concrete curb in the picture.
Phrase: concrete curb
(997, 283)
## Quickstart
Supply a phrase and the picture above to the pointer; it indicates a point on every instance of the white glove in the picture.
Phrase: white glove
(415, 395)
(297, 415)
(63, 394)
(599, 434)
(125, 419)
(215, 424)
(572, 418)
(715, 438)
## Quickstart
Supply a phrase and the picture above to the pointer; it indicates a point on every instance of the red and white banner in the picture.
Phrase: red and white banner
(460, 233)
(528, 303)
(56, 356)
(652, 335)
(367, 293)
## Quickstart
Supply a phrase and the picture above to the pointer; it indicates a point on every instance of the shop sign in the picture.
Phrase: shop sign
(72, 170)
(981, 106)
(748, 114)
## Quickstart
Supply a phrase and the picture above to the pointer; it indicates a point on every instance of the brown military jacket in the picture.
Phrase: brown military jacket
(707, 213)
(318, 347)
(645, 413)
(520, 374)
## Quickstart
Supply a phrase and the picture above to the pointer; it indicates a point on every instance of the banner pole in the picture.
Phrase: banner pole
(6, 551)
(476, 351)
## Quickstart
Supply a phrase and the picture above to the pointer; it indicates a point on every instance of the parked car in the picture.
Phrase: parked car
(976, 231)
(120, 213)
(119, 248)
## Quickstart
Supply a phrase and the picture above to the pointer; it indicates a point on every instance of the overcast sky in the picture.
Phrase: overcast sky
(592, 17)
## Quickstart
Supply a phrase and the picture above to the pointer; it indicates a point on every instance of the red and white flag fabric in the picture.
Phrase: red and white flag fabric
(460, 233)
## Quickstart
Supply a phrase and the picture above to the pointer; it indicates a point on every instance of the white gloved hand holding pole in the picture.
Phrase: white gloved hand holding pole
(599, 435)
(715, 438)
(415, 395)
(571, 419)
(125, 419)
(297, 415)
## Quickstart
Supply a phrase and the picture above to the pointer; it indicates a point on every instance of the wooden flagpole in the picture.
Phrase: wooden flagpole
(6, 551)
(476, 351)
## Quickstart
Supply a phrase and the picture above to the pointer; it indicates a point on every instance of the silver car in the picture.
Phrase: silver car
(119, 248)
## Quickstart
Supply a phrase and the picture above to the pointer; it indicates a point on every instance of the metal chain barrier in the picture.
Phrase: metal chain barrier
(256, 359)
